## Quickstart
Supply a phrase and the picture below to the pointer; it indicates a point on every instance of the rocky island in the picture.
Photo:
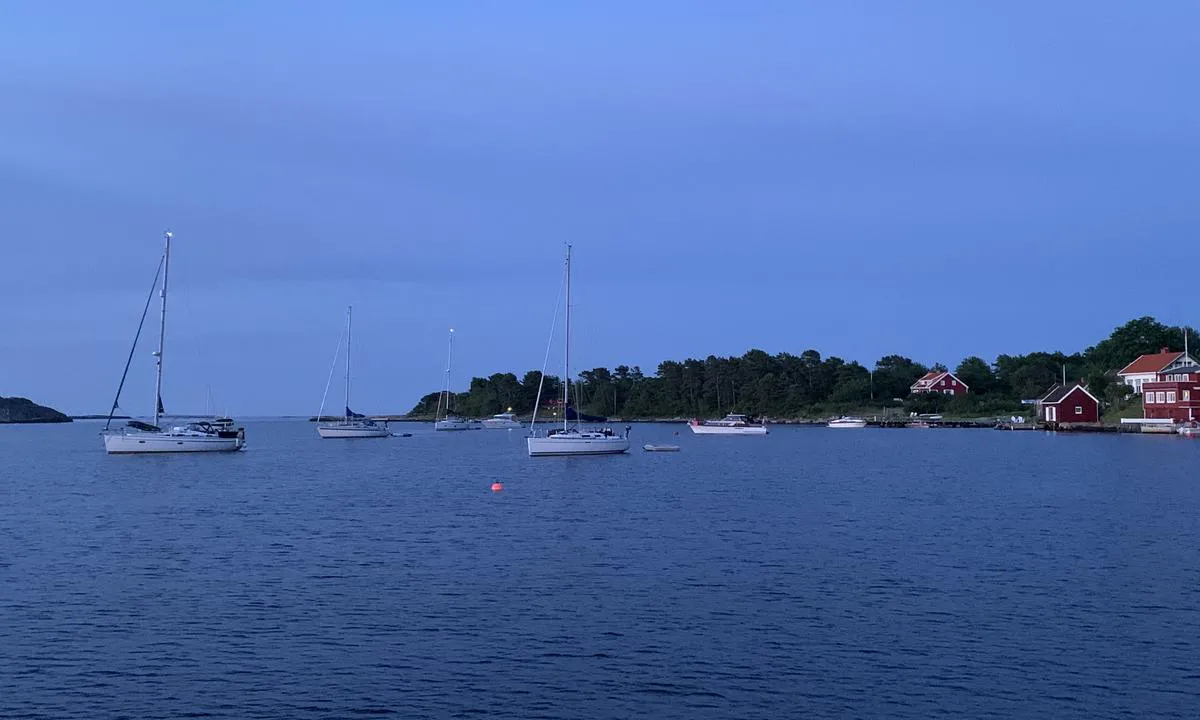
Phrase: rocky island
(23, 410)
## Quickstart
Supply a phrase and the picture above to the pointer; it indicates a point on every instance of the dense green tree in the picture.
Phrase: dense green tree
(787, 385)
(894, 375)
(1136, 337)
(977, 374)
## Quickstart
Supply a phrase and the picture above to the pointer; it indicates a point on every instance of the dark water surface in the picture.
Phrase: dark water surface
(812, 573)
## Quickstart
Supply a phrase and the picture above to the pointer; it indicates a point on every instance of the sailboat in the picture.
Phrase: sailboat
(446, 398)
(141, 437)
(571, 440)
(352, 425)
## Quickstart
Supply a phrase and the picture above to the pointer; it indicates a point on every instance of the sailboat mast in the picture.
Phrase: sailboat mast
(449, 364)
(349, 324)
(567, 344)
(162, 328)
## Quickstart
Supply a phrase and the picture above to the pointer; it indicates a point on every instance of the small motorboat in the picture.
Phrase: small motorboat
(731, 424)
(847, 422)
(652, 447)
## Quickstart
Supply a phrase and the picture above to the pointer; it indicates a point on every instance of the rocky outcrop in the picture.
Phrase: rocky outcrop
(22, 410)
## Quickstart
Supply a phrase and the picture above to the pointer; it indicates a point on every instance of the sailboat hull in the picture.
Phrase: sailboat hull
(451, 425)
(353, 431)
(145, 443)
(557, 445)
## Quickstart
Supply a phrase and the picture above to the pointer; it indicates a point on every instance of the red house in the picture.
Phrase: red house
(1069, 404)
(1173, 395)
(939, 381)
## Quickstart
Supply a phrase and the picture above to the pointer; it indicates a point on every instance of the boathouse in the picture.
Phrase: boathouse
(1069, 404)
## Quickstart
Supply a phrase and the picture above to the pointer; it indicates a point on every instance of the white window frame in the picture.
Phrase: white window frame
(1160, 397)
(1185, 395)
(1149, 398)
(1078, 409)
(1170, 396)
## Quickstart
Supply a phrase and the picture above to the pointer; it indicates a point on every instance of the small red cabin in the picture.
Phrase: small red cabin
(939, 381)
(1069, 404)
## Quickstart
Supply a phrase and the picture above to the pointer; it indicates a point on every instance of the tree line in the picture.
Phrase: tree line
(809, 385)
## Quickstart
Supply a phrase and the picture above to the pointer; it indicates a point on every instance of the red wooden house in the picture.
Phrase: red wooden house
(1173, 395)
(939, 381)
(1069, 404)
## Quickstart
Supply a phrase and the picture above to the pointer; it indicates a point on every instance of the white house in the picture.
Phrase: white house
(1148, 367)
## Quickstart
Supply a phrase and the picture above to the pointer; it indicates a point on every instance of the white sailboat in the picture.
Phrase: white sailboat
(449, 421)
(139, 437)
(570, 440)
(352, 424)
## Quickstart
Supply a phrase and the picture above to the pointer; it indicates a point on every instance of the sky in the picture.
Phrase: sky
(934, 179)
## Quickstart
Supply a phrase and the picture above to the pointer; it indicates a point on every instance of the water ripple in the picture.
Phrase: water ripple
(807, 574)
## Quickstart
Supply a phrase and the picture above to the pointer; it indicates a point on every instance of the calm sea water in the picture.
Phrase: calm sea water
(812, 573)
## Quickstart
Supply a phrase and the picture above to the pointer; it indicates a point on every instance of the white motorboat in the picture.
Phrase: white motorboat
(138, 437)
(1190, 429)
(847, 423)
(449, 421)
(572, 440)
(352, 424)
(502, 421)
(731, 424)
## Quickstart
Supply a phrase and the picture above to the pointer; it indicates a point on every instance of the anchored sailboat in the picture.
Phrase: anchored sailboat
(450, 421)
(140, 437)
(352, 425)
(570, 440)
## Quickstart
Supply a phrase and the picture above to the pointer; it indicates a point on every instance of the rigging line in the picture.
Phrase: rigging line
(129, 360)
(332, 366)
(546, 362)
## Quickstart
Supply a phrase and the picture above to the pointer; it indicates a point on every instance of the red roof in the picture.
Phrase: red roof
(1150, 363)
(931, 375)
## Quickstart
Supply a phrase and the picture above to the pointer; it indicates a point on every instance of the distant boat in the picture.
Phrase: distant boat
(571, 440)
(139, 437)
(917, 424)
(731, 424)
(352, 425)
(1189, 429)
(847, 422)
(449, 421)
(651, 447)
(502, 421)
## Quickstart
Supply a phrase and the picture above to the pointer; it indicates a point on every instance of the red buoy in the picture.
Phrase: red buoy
(497, 487)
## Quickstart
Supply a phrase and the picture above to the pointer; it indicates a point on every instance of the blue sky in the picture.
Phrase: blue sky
(935, 179)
